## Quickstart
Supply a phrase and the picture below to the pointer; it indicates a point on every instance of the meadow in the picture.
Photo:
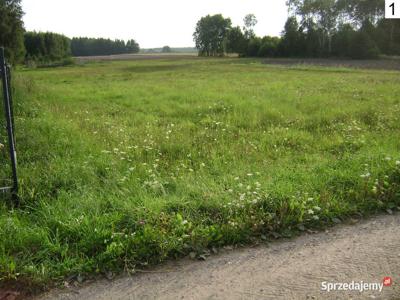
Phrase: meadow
(124, 164)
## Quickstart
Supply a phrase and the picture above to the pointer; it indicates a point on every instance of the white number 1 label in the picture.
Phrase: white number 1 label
(392, 9)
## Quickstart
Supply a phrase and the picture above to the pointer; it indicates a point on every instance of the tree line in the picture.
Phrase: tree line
(46, 47)
(84, 46)
(314, 28)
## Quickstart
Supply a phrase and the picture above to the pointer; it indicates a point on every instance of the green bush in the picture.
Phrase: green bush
(253, 47)
(269, 47)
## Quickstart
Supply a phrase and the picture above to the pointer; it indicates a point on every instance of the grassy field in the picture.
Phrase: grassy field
(124, 164)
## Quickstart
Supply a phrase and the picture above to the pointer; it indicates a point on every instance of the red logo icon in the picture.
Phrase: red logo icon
(387, 281)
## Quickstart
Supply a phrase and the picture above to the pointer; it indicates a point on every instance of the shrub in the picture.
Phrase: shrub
(269, 46)
(253, 47)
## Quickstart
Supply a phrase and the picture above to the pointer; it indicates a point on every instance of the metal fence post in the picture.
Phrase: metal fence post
(5, 72)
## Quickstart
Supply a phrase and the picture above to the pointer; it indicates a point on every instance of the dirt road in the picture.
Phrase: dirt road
(286, 269)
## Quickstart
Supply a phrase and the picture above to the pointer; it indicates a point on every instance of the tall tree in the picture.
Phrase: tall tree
(362, 10)
(166, 49)
(291, 39)
(330, 18)
(388, 36)
(12, 29)
(342, 41)
(132, 46)
(235, 41)
(311, 40)
(322, 13)
(250, 21)
(210, 34)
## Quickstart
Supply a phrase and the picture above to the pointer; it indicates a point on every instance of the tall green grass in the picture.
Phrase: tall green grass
(125, 164)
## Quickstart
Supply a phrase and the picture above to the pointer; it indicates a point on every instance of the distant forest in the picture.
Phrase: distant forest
(48, 46)
(315, 28)
(91, 46)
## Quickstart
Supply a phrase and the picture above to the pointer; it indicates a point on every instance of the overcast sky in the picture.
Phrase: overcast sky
(152, 23)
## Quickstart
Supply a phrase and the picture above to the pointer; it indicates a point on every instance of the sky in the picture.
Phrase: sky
(152, 23)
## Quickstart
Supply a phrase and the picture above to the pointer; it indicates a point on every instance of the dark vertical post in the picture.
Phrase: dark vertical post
(10, 127)
(10, 95)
